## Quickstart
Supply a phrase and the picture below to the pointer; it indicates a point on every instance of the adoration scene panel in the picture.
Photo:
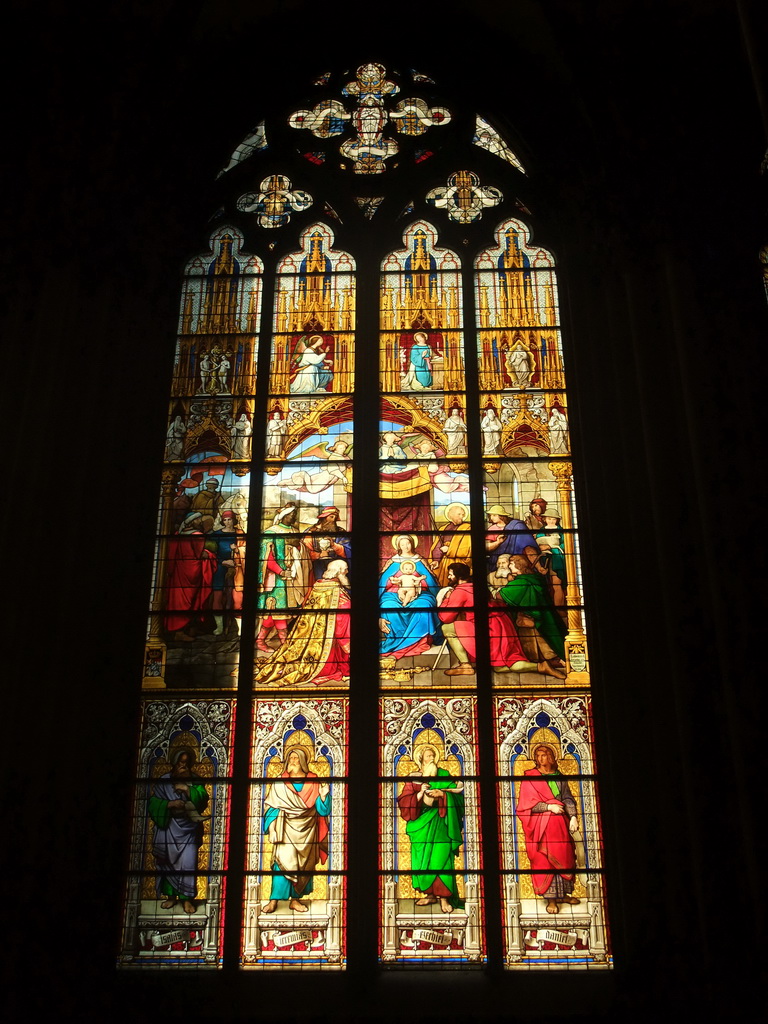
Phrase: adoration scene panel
(534, 566)
(302, 632)
(295, 889)
(193, 636)
(303, 603)
(426, 602)
(308, 496)
(180, 833)
(553, 885)
(312, 648)
(430, 857)
(424, 548)
(427, 571)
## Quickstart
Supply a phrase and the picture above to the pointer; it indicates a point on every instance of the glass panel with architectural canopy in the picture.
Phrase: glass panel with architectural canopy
(180, 835)
(552, 883)
(295, 887)
(431, 902)
(197, 589)
(303, 629)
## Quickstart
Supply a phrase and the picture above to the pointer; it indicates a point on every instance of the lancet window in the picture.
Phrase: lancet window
(368, 541)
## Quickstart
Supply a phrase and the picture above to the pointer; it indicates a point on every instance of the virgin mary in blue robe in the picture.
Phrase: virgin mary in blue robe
(411, 628)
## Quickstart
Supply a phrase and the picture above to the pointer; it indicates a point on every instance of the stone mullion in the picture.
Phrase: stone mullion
(241, 759)
(485, 730)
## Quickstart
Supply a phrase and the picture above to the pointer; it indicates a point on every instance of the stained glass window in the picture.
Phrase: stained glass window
(370, 286)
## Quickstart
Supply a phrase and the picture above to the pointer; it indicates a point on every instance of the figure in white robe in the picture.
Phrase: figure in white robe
(491, 427)
(520, 366)
(174, 443)
(296, 813)
(456, 433)
(313, 370)
(241, 437)
(558, 432)
(277, 428)
(316, 483)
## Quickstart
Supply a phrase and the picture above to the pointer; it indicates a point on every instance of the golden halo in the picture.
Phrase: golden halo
(544, 738)
(188, 742)
(456, 504)
(411, 537)
(429, 738)
(299, 739)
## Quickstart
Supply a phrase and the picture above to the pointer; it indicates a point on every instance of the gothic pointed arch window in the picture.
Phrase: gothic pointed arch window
(366, 667)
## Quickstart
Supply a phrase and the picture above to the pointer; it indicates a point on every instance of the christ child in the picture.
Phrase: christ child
(407, 582)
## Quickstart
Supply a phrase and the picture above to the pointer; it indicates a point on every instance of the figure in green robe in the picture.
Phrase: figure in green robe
(527, 592)
(281, 580)
(432, 805)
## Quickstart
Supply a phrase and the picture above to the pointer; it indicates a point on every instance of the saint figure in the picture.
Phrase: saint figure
(296, 821)
(176, 803)
(432, 805)
(547, 811)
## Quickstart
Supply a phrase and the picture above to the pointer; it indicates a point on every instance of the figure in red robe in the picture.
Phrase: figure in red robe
(189, 578)
(547, 811)
(458, 622)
